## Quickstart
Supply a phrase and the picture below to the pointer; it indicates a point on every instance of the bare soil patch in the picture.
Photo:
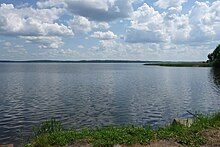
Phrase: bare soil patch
(212, 137)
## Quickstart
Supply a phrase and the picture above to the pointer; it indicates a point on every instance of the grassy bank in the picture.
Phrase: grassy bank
(51, 133)
(181, 64)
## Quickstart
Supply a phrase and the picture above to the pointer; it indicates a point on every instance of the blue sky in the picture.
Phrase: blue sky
(171, 30)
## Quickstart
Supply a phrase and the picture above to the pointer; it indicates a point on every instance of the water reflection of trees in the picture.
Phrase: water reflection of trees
(215, 74)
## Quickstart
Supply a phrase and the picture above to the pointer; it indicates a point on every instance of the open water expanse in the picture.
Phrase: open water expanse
(93, 95)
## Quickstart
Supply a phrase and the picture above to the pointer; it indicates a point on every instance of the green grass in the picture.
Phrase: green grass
(181, 64)
(51, 133)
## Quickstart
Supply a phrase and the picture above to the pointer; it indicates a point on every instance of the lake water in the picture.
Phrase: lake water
(94, 95)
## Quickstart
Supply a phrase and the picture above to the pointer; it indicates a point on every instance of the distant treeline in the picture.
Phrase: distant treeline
(80, 61)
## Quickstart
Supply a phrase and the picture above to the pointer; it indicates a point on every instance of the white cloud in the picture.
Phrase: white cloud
(151, 33)
(56, 54)
(11, 50)
(19, 46)
(102, 25)
(50, 3)
(144, 36)
(33, 23)
(47, 42)
(81, 25)
(177, 26)
(205, 21)
(60, 53)
(111, 49)
(108, 49)
(200, 24)
(104, 35)
(169, 3)
(80, 46)
(7, 44)
(146, 17)
(146, 26)
(101, 10)
(10, 44)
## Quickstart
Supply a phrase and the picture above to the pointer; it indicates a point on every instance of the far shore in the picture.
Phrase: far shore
(181, 64)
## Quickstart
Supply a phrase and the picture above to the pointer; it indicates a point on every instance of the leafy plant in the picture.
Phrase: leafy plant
(48, 127)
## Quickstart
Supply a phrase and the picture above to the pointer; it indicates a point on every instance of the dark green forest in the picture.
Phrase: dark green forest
(214, 57)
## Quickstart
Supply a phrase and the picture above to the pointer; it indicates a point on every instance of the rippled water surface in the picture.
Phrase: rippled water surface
(91, 95)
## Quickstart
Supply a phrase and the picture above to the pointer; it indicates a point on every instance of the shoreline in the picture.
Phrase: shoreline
(191, 133)
(181, 64)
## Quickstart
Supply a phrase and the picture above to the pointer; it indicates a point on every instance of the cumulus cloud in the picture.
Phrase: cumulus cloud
(150, 32)
(56, 54)
(205, 21)
(80, 46)
(7, 44)
(146, 17)
(200, 24)
(146, 26)
(11, 50)
(47, 42)
(81, 25)
(30, 22)
(104, 35)
(169, 3)
(60, 53)
(101, 10)
(111, 49)
(144, 36)
(50, 3)
(176, 25)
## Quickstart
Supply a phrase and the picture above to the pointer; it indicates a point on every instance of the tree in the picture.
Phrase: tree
(214, 58)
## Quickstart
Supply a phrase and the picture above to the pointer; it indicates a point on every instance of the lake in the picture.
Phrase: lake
(94, 95)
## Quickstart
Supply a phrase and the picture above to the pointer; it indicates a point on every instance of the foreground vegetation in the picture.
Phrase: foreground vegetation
(51, 133)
